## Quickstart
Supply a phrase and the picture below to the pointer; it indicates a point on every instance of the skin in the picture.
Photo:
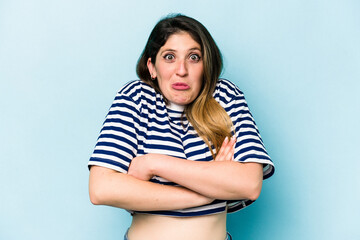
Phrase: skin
(179, 71)
(132, 191)
(219, 179)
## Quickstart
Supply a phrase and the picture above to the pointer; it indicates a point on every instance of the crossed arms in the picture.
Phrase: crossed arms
(201, 182)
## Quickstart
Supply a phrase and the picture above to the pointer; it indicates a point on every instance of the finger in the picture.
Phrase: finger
(233, 150)
(225, 142)
(224, 150)
(230, 154)
(230, 150)
(220, 154)
(233, 141)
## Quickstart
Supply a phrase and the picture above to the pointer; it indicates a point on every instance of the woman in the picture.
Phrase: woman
(179, 148)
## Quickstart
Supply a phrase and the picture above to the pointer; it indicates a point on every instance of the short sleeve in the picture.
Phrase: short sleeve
(249, 146)
(117, 143)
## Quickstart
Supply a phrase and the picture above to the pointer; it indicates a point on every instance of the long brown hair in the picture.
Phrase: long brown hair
(208, 118)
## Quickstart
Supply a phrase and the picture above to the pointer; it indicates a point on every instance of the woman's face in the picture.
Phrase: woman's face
(178, 68)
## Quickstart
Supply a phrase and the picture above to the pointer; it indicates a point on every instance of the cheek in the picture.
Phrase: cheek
(197, 92)
(199, 82)
(163, 70)
(164, 86)
(196, 89)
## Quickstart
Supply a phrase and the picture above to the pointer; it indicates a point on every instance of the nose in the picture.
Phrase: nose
(182, 70)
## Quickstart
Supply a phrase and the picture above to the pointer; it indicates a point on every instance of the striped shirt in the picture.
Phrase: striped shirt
(139, 122)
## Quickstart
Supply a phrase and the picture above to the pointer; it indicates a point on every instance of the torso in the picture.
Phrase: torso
(154, 128)
(158, 227)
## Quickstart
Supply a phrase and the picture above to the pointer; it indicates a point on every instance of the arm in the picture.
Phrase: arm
(219, 179)
(216, 179)
(109, 187)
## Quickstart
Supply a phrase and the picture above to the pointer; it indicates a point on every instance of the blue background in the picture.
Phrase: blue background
(61, 63)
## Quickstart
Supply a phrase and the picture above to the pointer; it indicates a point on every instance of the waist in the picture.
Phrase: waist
(159, 227)
(215, 207)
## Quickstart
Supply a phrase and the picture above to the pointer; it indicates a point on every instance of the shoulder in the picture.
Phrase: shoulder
(136, 91)
(134, 88)
(226, 91)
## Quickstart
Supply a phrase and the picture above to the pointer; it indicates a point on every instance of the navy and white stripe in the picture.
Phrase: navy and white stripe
(139, 122)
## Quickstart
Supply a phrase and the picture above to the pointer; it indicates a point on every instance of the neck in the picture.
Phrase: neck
(175, 107)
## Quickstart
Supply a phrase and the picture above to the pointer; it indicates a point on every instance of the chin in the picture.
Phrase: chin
(179, 101)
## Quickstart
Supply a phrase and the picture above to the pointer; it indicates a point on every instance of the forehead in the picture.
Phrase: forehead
(181, 40)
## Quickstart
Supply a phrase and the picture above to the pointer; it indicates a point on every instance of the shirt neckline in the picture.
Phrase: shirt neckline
(175, 107)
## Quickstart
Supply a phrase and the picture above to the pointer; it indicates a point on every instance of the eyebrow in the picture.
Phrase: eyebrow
(173, 50)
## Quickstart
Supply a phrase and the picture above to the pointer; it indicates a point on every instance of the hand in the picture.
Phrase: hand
(140, 167)
(226, 152)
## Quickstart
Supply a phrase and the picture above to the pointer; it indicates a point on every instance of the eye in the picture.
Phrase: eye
(169, 57)
(195, 57)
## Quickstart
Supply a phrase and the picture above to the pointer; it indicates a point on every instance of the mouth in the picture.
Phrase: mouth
(180, 86)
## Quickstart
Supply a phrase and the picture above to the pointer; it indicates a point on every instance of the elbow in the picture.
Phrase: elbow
(254, 195)
(95, 195)
(252, 183)
(94, 198)
(250, 190)
(98, 182)
(97, 191)
(254, 190)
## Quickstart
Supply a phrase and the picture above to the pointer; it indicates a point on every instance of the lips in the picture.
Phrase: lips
(180, 86)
